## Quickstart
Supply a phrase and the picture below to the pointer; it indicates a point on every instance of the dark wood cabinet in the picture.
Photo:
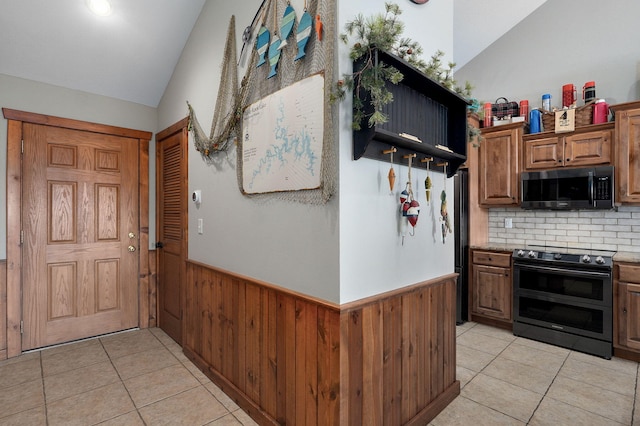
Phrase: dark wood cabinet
(585, 147)
(626, 316)
(491, 288)
(500, 165)
(627, 159)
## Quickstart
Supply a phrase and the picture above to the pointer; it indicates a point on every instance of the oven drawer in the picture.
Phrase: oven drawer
(627, 273)
(492, 258)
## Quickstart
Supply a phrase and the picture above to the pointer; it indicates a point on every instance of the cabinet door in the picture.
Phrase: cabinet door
(628, 156)
(499, 168)
(492, 291)
(586, 149)
(628, 315)
(545, 153)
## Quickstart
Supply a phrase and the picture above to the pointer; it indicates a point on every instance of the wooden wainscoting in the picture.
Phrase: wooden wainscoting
(286, 358)
(276, 353)
(3, 309)
(398, 355)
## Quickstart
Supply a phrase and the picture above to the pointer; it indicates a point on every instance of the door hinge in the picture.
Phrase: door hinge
(21, 327)
(22, 146)
(21, 236)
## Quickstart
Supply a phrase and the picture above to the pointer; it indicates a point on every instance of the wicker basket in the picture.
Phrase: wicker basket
(584, 117)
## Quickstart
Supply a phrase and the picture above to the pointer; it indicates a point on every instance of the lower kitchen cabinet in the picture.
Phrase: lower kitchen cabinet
(626, 316)
(491, 288)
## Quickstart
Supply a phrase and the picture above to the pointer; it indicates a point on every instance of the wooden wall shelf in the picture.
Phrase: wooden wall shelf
(421, 108)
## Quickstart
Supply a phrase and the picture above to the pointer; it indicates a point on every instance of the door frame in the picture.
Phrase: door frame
(181, 126)
(15, 120)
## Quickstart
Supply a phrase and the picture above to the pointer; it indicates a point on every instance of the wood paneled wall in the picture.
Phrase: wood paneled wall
(289, 359)
(3, 309)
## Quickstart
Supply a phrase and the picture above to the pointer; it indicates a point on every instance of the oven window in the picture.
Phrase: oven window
(567, 285)
(562, 315)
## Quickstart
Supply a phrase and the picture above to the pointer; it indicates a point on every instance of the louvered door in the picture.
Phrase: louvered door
(172, 227)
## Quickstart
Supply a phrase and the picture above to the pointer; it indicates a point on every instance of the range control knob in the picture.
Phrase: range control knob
(586, 258)
(557, 256)
(599, 260)
(532, 254)
(520, 253)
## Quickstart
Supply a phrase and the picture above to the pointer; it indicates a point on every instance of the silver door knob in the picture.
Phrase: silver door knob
(132, 248)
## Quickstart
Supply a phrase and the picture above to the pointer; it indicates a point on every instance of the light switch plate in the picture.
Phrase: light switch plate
(508, 222)
(200, 226)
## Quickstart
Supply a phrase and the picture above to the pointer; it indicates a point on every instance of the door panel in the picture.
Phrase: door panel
(172, 227)
(80, 276)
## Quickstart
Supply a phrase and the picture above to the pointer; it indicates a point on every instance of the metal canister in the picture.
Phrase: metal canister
(487, 115)
(589, 91)
(524, 109)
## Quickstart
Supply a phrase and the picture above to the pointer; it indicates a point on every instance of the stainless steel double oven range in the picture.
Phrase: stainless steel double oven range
(564, 297)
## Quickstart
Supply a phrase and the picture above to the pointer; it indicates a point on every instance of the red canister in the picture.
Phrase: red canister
(589, 91)
(568, 95)
(487, 115)
(600, 112)
(524, 109)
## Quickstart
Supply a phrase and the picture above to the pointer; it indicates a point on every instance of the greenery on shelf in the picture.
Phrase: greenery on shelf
(384, 32)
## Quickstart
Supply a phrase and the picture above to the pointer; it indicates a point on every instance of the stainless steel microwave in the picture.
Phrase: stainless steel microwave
(568, 189)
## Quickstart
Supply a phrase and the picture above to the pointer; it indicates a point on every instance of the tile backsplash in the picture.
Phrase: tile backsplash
(594, 229)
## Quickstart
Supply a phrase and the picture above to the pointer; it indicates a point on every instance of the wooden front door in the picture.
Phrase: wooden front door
(171, 160)
(80, 222)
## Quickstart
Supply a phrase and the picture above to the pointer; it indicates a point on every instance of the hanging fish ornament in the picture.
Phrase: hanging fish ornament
(286, 26)
(304, 32)
(403, 196)
(427, 187)
(413, 212)
(319, 27)
(274, 55)
(262, 44)
(446, 224)
(392, 178)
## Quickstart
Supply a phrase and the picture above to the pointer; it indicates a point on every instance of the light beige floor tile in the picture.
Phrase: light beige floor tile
(90, 407)
(197, 373)
(244, 418)
(35, 416)
(20, 358)
(509, 399)
(224, 399)
(482, 342)
(472, 359)
(132, 418)
(73, 346)
(22, 397)
(495, 332)
(82, 356)
(618, 364)
(533, 357)
(557, 413)
(129, 366)
(193, 407)
(531, 378)
(606, 378)
(167, 341)
(463, 412)
(542, 346)
(74, 382)
(591, 398)
(132, 342)
(228, 420)
(464, 375)
(20, 372)
(161, 384)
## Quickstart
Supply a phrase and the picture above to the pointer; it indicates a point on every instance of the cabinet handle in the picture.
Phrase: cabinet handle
(568, 159)
(624, 311)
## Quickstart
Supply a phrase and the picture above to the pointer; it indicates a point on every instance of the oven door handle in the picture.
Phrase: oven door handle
(575, 272)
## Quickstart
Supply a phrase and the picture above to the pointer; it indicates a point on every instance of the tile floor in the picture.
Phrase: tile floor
(508, 380)
(132, 378)
(141, 377)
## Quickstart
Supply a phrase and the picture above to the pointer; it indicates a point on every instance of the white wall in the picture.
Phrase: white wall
(288, 244)
(563, 41)
(26, 95)
(372, 257)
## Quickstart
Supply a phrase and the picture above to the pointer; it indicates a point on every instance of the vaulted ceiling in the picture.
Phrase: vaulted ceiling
(131, 54)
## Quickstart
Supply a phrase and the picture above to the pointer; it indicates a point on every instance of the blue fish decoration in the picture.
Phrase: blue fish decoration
(304, 32)
(274, 55)
(288, 19)
(262, 43)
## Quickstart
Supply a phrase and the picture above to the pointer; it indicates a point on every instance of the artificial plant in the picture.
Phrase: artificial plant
(384, 32)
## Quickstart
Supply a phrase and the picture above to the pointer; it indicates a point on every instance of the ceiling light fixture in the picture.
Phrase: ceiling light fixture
(99, 7)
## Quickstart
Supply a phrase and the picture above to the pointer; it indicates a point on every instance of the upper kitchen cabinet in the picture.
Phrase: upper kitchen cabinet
(500, 165)
(587, 146)
(627, 158)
